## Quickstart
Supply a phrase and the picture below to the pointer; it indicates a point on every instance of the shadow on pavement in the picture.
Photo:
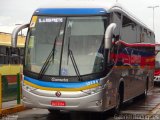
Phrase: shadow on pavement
(80, 116)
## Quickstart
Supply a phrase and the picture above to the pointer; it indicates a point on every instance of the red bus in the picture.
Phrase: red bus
(157, 63)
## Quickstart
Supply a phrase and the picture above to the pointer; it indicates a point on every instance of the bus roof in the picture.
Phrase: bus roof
(91, 6)
(5, 40)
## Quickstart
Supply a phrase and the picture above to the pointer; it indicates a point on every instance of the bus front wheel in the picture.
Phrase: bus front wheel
(119, 99)
(144, 95)
(52, 111)
(117, 107)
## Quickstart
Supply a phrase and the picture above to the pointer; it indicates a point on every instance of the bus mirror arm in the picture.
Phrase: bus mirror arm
(15, 34)
(109, 34)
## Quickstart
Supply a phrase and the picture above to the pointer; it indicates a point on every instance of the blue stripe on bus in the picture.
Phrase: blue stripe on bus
(61, 84)
(132, 51)
(71, 11)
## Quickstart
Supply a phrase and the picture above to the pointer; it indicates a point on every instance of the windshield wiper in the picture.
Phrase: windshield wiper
(51, 55)
(70, 53)
(48, 61)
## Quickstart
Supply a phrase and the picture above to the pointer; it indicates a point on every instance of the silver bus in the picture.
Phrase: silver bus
(85, 56)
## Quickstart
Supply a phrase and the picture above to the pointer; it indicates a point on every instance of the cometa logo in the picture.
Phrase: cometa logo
(59, 80)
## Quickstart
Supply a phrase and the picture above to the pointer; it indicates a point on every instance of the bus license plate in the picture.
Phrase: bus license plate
(58, 103)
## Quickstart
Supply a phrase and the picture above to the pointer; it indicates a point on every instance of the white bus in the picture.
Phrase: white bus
(85, 56)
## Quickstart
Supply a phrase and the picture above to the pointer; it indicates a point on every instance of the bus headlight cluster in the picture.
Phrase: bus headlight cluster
(28, 88)
(94, 90)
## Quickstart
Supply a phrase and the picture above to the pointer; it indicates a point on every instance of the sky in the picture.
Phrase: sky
(13, 12)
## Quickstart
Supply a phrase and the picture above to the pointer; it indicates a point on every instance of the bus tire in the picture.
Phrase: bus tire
(117, 107)
(144, 95)
(119, 99)
(52, 111)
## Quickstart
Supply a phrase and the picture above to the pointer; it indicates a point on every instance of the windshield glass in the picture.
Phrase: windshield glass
(78, 44)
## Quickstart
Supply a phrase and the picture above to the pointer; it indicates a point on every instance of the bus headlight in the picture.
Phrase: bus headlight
(28, 88)
(94, 90)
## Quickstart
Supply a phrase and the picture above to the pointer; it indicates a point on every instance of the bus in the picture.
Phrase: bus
(85, 56)
(10, 65)
(10, 58)
(157, 64)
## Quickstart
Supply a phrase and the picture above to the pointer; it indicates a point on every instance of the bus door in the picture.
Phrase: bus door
(136, 72)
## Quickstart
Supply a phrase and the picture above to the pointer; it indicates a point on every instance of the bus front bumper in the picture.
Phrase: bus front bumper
(74, 101)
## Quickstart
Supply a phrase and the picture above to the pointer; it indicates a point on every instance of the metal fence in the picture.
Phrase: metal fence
(10, 94)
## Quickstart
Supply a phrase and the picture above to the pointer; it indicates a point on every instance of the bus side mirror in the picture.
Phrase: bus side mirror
(108, 35)
(15, 34)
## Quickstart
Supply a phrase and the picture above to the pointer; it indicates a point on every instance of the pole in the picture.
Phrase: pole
(0, 93)
(153, 7)
(18, 89)
(153, 17)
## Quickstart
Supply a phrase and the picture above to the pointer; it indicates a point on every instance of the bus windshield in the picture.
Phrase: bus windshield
(66, 46)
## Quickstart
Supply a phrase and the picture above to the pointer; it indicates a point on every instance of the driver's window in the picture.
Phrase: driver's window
(117, 18)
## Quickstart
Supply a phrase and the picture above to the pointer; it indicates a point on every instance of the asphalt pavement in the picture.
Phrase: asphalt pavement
(138, 109)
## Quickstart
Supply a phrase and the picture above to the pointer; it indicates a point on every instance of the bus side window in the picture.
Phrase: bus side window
(21, 55)
(118, 20)
(129, 30)
(14, 57)
(3, 55)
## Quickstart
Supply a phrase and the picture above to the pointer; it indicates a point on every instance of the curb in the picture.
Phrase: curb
(14, 109)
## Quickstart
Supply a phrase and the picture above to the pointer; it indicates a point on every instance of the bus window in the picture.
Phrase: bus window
(14, 58)
(117, 20)
(21, 50)
(3, 55)
(129, 30)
